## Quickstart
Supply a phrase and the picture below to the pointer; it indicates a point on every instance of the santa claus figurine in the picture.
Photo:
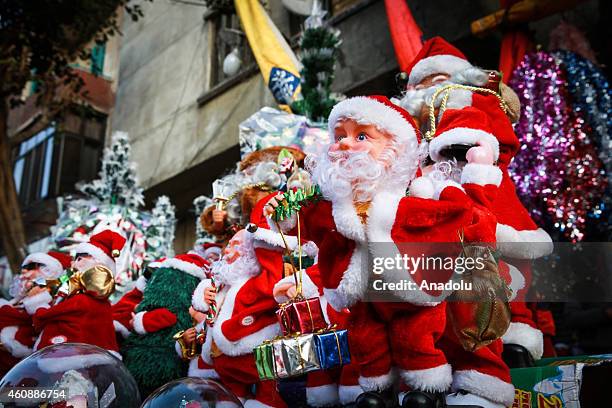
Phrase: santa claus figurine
(364, 175)
(162, 312)
(241, 293)
(123, 309)
(84, 314)
(519, 240)
(16, 332)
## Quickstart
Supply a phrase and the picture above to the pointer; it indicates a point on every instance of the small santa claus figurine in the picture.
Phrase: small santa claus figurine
(241, 290)
(364, 175)
(16, 332)
(474, 114)
(123, 309)
(161, 314)
(84, 315)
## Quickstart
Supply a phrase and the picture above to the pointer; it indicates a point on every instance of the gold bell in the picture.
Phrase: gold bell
(115, 253)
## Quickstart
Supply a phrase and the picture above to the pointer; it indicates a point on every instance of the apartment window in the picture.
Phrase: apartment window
(52, 161)
(227, 35)
(97, 59)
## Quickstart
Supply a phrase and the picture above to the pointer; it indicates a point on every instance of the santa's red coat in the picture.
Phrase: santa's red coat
(80, 318)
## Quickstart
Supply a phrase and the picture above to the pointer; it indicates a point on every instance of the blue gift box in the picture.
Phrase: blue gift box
(332, 348)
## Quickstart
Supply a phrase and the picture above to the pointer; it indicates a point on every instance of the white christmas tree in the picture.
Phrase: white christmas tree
(117, 182)
(160, 233)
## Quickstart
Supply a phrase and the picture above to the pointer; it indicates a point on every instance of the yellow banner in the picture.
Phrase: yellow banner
(277, 62)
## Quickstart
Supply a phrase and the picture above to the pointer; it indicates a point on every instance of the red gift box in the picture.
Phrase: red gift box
(301, 316)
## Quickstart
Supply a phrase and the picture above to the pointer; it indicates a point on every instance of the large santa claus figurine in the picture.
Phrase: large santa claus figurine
(16, 332)
(84, 315)
(519, 239)
(364, 175)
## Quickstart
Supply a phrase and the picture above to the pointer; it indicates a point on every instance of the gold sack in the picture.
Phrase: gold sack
(97, 282)
(481, 315)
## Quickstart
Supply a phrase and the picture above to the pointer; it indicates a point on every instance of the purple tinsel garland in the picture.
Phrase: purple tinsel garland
(557, 172)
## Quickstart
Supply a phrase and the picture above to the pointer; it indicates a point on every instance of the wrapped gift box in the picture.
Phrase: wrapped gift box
(332, 348)
(302, 316)
(295, 355)
(567, 382)
(264, 361)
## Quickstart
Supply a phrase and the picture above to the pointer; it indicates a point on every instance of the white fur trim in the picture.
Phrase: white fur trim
(116, 354)
(50, 262)
(519, 244)
(517, 281)
(121, 329)
(4, 302)
(253, 403)
(347, 221)
(421, 187)
(440, 186)
(461, 135)
(526, 336)
(381, 218)
(322, 396)
(138, 323)
(184, 266)
(436, 379)
(274, 238)
(77, 362)
(207, 373)
(437, 64)
(97, 253)
(353, 284)
(349, 393)
(484, 385)
(462, 399)
(246, 344)
(377, 383)
(481, 174)
(363, 108)
(309, 289)
(197, 299)
(16, 348)
(32, 303)
(141, 283)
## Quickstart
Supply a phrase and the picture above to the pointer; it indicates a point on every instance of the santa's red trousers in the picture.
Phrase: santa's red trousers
(239, 373)
(385, 335)
(481, 372)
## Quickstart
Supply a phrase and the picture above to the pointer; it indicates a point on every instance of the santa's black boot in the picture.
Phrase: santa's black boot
(517, 356)
(424, 399)
(377, 399)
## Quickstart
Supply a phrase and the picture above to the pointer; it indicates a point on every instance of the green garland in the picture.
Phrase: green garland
(293, 201)
(319, 48)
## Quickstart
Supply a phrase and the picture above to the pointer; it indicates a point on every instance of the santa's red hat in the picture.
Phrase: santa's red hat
(377, 110)
(436, 57)
(104, 247)
(156, 263)
(190, 263)
(462, 126)
(55, 262)
(212, 248)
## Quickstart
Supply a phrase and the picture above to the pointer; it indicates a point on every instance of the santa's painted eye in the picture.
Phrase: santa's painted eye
(340, 137)
(362, 137)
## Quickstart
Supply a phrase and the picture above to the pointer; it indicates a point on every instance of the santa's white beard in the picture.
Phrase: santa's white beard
(245, 266)
(18, 287)
(358, 176)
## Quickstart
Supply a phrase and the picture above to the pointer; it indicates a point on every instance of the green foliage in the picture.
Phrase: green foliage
(151, 358)
(293, 201)
(39, 39)
(319, 48)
